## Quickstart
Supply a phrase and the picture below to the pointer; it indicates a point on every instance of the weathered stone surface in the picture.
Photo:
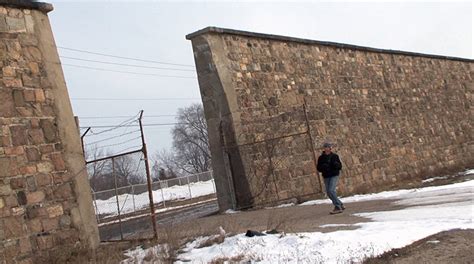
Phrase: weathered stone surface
(35, 197)
(18, 135)
(55, 211)
(49, 130)
(45, 167)
(16, 24)
(58, 162)
(39, 165)
(7, 107)
(5, 190)
(7, 167)
(32, 154)
(18, 98)
(362, 99)
(18, 183)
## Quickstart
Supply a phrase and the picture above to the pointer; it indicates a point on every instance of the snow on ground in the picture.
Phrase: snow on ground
(129, 203)
(388, 229)
(430, 210)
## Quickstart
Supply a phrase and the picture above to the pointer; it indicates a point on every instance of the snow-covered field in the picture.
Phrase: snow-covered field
(429, 210)
(129, 203)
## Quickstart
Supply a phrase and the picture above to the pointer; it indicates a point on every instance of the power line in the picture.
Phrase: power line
(121, 143)
(102, 140)
(112, 117)
(122, 124)
(133, 99)
(136, 73)
(124, 64)
(125, 58)
(145, 125)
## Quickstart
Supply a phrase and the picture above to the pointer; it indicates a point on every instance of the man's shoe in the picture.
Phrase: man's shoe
(342, 207)
(336, 211)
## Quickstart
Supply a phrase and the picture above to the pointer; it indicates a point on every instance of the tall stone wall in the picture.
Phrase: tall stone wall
(45, 199)
(394, 115)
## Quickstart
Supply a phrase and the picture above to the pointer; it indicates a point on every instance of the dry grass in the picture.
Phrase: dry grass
(105, 254)
(236, 259)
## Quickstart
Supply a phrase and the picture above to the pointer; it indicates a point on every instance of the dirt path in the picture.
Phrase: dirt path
(455, 246)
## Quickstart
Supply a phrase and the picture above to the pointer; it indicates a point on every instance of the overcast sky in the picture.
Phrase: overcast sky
(156, 31)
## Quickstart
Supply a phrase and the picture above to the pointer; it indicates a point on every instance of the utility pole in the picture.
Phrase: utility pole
(148, 178)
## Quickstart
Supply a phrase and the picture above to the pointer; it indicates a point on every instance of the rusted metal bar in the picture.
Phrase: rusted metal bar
(116, 197)
(115, 156)
(265, 140)
(82, 141)
(315, 160)
(148, 178)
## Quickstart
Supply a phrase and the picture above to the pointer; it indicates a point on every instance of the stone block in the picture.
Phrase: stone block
(64, 191)
(18, 183)
(11, 201)
(3, 24)
(36, 136)
(45, 149)
(14, 151)
(34, 68)
(25, 245)
(31, 82)
(16, 24)
(45, 167)
(28, 170)
(5, 190)
(17, 211)
(35, 197)
(2, 203)
(18, 98)
(45, 242)
(18, 134)
(7, 107)
(65, 221)
(49, 129)
(8, 71)
(12, 83)
(34, 225)
(43, 179)
(13, 227)
(30, 24)
(32, 154)
(31, 183)
(29, 95)
(58, 162)
(39, 94)
(35, 211)
(50, 224)
(55, 211)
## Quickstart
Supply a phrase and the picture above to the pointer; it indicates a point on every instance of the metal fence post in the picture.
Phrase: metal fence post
(117, 199)
(162, 195)
(148, 178)
(97, 213)
(189, 187)
(308, 129)
(133, 198)
(198, 177)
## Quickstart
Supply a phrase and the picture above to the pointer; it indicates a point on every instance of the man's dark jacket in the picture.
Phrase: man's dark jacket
(329, 165)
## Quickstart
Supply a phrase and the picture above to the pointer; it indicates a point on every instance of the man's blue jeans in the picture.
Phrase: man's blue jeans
(331, 184)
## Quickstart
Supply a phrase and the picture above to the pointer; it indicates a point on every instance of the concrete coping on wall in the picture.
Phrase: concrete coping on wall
(28, 4)
(218, 30)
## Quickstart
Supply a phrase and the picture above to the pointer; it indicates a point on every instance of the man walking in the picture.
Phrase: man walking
(330, 165)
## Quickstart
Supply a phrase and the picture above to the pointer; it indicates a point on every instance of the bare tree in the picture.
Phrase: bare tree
(190, 153)
(191, 140)
(165, 165)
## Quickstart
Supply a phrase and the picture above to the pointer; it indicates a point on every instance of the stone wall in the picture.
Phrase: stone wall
(45, 199)
(394, 115)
